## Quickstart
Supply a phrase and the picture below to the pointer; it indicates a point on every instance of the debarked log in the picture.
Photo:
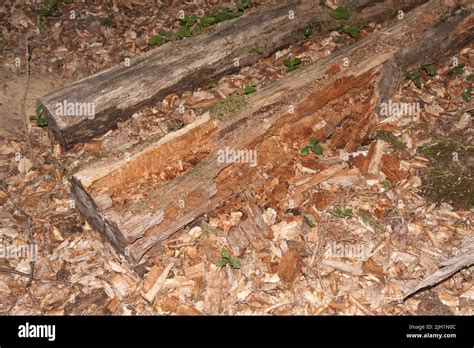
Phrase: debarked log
(165, 186)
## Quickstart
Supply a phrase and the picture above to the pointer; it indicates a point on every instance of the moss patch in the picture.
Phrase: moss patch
(451, 178)
(391, 139)
(227, 107)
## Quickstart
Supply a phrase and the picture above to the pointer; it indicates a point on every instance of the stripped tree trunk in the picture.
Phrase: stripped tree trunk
(144, 207)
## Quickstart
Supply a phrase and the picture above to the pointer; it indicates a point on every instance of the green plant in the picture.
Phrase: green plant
(313, 147)
(353, 32)
(457, 70)
(292, 64)
(342, 213)
(243, 4)
(430, 70)
(340, 13)
(227, 107)
(251, 87)
(226, 259)
(189, 21)
(310, 219)
(308, 31)
(50, 9)
(391, 139)
(39, 118)
(257, 49)
(184, 32)
(466, 94)
(156, 41)
(387, 184)
(414, 77)
(207, 21)
(223, 15)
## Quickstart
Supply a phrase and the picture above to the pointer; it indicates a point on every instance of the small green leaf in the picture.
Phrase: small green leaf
(156, 41)
(304, 151)
(353, 32)
(417, 82)
(310, 219)
(222, 262)
(189, 21)
(243, 4)
(430, 70)
(340, 13)
(466, 95)
(317, 149)
(292, 64)
(257, 49)
(313, 142)
(387, 184)
(207, 21)
(225, 254)
(234, 263)
(184, 32)
(249, 89)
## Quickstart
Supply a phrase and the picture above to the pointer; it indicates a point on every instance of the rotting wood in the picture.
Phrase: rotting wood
(209, 183)
(115, 94)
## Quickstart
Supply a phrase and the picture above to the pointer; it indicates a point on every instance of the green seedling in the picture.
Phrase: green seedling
(242, 5)
(156, 41)
(340, 13)
(251, 87)
(161, 38)
(226, 259)
(430, 70)
(257, 49)
(207, 21)
(466, 94)
(342, 213)
(387, 184)
(39, 118)
(310, 219)
(188, 21)
(457, 70)
(313, 147)
(413, 77)
(223, 15)
(184, 32)
(308, 31)
(292, 64)
(352, 32)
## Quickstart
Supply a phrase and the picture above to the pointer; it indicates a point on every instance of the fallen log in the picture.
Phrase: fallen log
(93, 106)
(148, 206)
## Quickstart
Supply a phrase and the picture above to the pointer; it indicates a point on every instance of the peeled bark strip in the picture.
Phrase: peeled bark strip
(293, 108)
(115, 94)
